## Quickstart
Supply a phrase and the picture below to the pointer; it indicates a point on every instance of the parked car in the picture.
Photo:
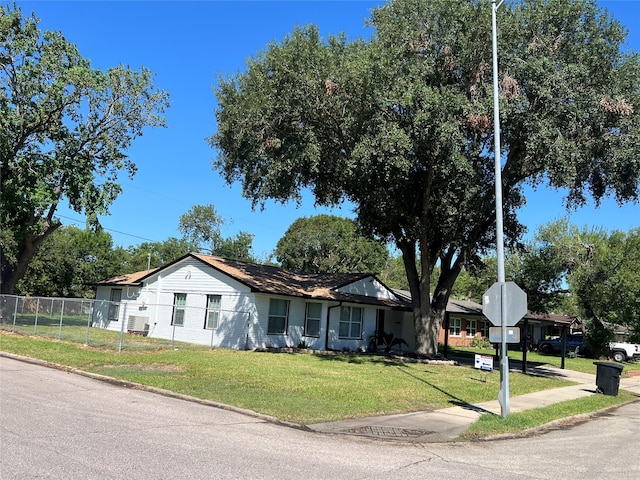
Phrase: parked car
(554, 345)
(623, 351)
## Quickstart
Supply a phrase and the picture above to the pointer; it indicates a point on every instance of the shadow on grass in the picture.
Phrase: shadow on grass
(456, 401)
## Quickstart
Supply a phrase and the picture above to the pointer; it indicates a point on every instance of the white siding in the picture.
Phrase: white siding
(368, 287)
(243, 314)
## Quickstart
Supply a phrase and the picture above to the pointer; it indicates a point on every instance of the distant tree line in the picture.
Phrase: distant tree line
(589, 273)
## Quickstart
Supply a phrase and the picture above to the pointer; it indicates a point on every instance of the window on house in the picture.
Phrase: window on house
(278, 314)
(455, 326)
(179, 304)
(212, 316)
(312, 319)
(114, 306)
(350, 322)
(471, 328)
(485, 329)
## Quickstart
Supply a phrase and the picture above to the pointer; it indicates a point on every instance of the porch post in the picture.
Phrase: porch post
(564, 345)
(446, 334)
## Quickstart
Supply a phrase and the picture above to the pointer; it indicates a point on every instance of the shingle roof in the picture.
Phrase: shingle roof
(322, 286)
(278, 281)
(275, 281)
(129, 279)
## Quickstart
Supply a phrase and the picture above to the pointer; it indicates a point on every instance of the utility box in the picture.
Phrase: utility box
(138, 325)
(608, 378)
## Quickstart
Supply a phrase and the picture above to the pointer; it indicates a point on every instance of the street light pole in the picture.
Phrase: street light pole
(503, 396)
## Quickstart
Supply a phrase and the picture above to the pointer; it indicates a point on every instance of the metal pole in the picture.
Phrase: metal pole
(35, 323)
(86, 339)
(503, 397)
(61, 315)
(15, 314)
(124, 316)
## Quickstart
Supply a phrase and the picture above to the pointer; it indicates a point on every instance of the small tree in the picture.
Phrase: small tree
(596, 269)
(201, 227)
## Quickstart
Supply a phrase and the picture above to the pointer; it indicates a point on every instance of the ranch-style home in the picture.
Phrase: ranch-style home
(213, 301)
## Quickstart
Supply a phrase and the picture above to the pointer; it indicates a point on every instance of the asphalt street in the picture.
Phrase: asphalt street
(60, 425)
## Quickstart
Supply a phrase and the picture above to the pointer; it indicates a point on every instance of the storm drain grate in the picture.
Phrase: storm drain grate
(387, 432)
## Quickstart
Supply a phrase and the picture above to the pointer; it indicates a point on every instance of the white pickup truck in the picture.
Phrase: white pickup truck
(624, 351)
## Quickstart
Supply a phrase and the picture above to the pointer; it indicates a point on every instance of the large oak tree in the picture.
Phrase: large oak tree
(64, 131)
(401, 125)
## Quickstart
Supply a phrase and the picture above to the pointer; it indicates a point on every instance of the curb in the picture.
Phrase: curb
(560, 422)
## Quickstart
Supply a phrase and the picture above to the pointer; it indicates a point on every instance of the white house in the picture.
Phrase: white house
(224, 303)
(213, 301)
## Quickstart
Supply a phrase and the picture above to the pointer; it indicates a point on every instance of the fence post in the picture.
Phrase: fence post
(61, 314)
(124, 317)
(35, 322)
(15, 315)
(86, 341)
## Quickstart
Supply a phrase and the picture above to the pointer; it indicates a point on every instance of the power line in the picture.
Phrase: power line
(80, 222)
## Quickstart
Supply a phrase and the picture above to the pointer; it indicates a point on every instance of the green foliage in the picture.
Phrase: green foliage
(327, 243)
(393, 275)
(481, 342)
(69, 263)
(476, 278)
(599, 268)
(155, 254)
(387, 340)
(401, 126)
(201, 227)
(64, 131)
(488, 425)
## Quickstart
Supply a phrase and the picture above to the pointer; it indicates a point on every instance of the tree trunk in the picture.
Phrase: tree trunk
(427, 327)
(10, 273)
(429, 311)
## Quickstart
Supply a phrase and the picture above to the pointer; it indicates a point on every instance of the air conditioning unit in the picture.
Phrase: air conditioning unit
(138, 324)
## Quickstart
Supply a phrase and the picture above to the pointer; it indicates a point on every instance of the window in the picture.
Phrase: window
(485, 329)
(350, 322)
(179, 303)
(114, 306)
(312, 319)
(212, 315)
(454, 327)
(278, 313)
(471, 328)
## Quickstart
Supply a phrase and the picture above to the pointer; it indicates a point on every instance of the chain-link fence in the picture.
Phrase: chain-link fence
(70, 319)
(122, 325)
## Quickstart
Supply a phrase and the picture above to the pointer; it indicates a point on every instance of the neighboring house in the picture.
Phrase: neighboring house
(464, 322)
(213, 301)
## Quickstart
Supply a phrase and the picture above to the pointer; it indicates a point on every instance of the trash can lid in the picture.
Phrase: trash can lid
(610, 365)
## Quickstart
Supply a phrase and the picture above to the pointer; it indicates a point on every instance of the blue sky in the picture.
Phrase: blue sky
(188, 44)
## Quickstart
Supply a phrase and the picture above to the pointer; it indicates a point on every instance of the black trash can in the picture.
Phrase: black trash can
(608, 377)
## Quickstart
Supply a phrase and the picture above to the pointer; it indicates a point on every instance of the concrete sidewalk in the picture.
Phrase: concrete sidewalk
(446, 424)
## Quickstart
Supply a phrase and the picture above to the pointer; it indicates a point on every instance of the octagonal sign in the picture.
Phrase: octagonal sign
(516, 303)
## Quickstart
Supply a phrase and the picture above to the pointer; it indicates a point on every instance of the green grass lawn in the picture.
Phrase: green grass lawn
(579, 364)
(515, 423)
(300, 388)
(295, 387)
